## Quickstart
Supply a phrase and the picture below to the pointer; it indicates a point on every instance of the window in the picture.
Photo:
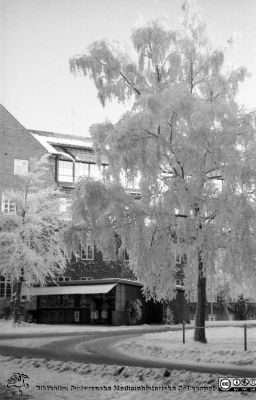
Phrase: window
(120, 298)
(105, 258)
(62, 278)
(178, 282)
(178, 256)
(8, 206)
(87, 253)
(6, 287)
(65, 171)
(20, 167)
(85, 278)
(68, 300)
(132, 183)
(211, 296)
(65, 208)
(95, 171)
(193, 296)
(68, 171)
(126, 256)
(81, 170)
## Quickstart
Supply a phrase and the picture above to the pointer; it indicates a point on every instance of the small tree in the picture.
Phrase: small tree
(134, 311)
(192, 148)
(241, 308)
(168, 315)
(31, 246)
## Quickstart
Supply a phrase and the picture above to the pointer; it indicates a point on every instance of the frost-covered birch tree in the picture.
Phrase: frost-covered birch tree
(31, 244)
(190, 146)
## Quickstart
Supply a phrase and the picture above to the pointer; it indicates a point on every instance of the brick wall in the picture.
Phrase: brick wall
(16, 142)
(98, 269)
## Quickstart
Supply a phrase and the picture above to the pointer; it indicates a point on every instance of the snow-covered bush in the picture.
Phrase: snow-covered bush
(134, 312)
(168, 316)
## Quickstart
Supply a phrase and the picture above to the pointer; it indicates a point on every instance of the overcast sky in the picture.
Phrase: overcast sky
(39, 36)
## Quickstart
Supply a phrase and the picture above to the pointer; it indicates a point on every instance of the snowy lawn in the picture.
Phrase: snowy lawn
(7, 327)
(225, 345)
(50, 380)
(61, 380)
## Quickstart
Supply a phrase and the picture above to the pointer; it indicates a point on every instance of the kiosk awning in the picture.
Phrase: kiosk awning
(75, 289)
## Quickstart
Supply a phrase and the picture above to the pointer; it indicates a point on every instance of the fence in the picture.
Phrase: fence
(245, 326)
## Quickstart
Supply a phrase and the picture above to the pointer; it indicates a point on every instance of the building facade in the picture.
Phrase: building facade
(89, 278)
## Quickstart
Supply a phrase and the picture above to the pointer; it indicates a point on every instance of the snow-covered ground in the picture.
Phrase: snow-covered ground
(50, 380)
(61, 380)
(7, 327)
(225, 345)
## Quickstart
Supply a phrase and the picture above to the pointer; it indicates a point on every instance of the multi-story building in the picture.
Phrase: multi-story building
(89, 278)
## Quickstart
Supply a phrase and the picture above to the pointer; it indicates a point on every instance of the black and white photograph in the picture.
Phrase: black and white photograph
(127, 199)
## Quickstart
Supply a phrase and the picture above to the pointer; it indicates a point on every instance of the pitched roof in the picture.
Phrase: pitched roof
(63, 139)
(64, 145)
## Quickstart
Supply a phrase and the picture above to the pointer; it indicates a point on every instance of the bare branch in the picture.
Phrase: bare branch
(153, 236)
(148, 132)
(217, 177)
(130, 83)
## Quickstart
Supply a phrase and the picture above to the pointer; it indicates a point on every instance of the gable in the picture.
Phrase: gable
(15, 140)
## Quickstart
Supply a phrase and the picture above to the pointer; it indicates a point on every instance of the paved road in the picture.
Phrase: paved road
(97, 348)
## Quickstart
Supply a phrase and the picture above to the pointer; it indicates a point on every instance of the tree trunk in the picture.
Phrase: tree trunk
(17, 300)
(199, 335)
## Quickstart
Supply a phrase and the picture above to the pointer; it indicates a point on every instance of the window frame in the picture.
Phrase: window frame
(18, 170)
(83, 252)
(58, 171)
(101, 170)
(85, 278)
(121, 298)
(193, 296)
(76, 178)
(10, 204)
(4, 283)
(63, 278)
(126, 256)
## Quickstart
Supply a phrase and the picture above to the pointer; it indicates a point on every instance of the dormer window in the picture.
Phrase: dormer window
(68, 171)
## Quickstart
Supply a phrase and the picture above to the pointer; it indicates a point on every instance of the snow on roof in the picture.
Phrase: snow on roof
(51, 140)
(62, 136)
(48, 139)
(57, 290)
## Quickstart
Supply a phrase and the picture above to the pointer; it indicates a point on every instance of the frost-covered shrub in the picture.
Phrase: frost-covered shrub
(134, 311)
(168, 316)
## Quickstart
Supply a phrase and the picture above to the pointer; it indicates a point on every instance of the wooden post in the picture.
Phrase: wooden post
(183, 330)
(245, 337)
